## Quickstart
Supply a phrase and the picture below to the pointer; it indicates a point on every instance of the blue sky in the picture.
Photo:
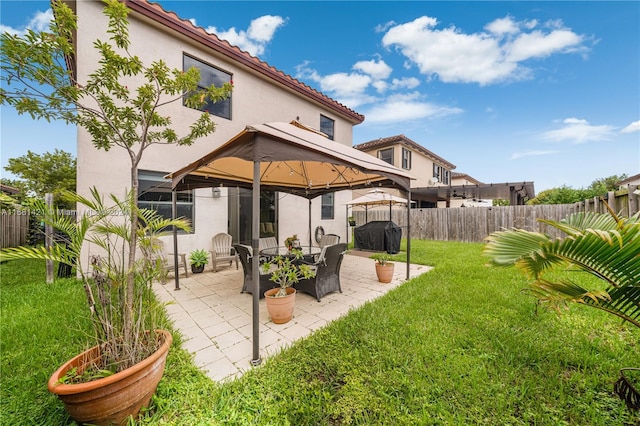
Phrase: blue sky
(507, 91)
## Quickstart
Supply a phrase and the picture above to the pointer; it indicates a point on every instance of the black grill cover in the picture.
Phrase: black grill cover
(379, 235)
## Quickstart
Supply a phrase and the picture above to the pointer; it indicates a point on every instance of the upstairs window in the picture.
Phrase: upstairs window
(386, 155)
(327, 126)
(406, 159)
(211, 75)
(328, 201)
(443, 175)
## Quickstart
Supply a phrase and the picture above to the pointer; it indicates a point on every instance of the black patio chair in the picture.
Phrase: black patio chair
(245, 253)
(327, 268)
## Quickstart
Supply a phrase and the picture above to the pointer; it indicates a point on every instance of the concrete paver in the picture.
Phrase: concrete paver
(216, 319)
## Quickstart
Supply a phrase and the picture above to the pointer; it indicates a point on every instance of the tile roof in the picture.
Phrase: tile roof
(171, 20)
(403, 140)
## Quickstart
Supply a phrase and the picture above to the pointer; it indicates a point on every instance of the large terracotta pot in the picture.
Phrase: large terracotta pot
(384, 272)
(112, 399)
(280, 308)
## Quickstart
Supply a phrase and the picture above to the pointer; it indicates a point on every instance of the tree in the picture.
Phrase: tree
(567, 195)
(46, 173)
(107, 105)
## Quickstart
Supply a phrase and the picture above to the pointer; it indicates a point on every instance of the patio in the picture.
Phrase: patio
(215, 318)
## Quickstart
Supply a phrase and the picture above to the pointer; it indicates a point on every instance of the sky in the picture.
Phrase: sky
(547, 92)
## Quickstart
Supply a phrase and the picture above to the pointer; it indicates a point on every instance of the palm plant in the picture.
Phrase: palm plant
(106, 228)
(605, 246)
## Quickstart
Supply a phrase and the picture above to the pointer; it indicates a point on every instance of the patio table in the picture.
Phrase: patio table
(307, 252)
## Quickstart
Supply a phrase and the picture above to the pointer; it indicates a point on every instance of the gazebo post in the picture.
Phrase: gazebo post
(174, 214)
(255, 273)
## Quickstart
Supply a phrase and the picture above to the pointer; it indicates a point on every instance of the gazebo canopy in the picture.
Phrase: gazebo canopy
(377, 197)
(292, 160)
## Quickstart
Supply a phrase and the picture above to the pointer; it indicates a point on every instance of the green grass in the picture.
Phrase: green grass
(460, 345)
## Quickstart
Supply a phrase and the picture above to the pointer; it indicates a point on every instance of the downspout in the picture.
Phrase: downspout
(408, 233)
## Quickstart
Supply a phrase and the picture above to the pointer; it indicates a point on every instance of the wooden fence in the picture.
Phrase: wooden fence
(14, 229)
(473, 224)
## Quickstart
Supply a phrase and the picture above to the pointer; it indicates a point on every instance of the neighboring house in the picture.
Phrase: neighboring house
(632, 180)
(435, 183)
(9, 190)
(261, 94)
(427, 168)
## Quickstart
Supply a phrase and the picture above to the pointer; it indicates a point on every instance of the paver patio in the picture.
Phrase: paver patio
(215, 318)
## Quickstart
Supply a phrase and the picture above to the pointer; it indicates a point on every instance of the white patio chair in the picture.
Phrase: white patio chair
(223, 250)
(156, 251)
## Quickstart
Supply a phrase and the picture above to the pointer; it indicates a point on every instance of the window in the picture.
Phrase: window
(386, 155)
(210, 75)
(406, 159)
(443, 175)
(327, 126)
(154, 193)
(327, 206)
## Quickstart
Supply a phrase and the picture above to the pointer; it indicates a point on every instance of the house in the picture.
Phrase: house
(426, 167)
(435, 183)
(631, 180)
(261, 94)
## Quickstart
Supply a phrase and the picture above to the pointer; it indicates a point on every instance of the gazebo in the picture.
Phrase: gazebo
(286, 157)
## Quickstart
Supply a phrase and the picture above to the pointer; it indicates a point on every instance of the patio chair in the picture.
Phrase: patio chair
(329, 239)
(223, 250)
(327, 269)
(245, 253)
(155, 251)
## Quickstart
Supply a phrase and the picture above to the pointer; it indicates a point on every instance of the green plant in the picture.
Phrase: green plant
(107, 228)
(288, 242)
(199, 257)
(286, 271)
(381, 258)
(603, 245)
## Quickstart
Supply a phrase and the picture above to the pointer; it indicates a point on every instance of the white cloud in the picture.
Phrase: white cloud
(484, 57)
(579, 131)
(379, 70)
(399, 108)
(255, 39)
(633, 127)
(347, 88)
(39, 22)
(405, 83)
(517, 155)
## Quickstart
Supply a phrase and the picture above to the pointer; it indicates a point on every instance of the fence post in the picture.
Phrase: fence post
(48, 238)
(634, 199)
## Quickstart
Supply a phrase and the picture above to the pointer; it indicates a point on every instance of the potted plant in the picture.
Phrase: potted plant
(291, 242)
(120, 89)
(384, 267)
(197, 259)
(352, 221)
(118, 375)
(285, 271)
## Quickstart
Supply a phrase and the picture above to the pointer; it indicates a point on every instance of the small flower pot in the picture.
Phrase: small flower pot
(197, 269)
(280, 309)
(384, 272)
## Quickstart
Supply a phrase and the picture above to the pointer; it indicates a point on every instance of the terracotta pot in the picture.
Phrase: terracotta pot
(280, 308)
(384, 272)
(112, 399)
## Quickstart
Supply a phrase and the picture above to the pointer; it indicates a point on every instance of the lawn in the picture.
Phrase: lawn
(460, 345)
